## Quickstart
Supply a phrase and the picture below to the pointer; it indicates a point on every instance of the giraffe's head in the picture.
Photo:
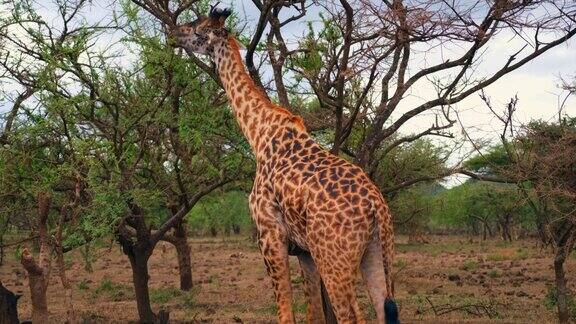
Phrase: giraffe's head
(203, 34)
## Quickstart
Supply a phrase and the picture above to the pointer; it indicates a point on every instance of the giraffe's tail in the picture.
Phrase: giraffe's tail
(386, 235)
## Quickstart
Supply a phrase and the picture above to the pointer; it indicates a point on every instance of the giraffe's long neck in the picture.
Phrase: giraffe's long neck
(257, 116)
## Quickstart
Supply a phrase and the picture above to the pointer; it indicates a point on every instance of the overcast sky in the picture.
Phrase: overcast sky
(536, 84)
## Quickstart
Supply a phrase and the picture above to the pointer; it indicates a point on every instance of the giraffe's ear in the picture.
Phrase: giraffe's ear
(218, 16)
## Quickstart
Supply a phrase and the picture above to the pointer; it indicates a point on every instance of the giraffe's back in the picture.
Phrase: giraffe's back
(322, 196)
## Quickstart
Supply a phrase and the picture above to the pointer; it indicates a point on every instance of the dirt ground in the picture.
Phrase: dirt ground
(452, 279)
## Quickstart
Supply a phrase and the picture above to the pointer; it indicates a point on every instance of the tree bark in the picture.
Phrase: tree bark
(561, 291)
(562, 253)
(179, 238)
(139, 253)
(38, 283)
(184, 259)
(505, 223)
(86, 255)
(39, 272)
(71, 317)
(140, 277)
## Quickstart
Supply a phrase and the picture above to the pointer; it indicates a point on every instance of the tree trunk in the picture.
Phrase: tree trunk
(140, 277)
(2, 246)
(38, 283)
(184, 259)
(139, 253)
(489, 229)
(236, 229)
(254, 233)
(561, 290)
(1, 250)
(562, 252)
(71, 317)
(39, 271)
(505, 227)
(87, 256)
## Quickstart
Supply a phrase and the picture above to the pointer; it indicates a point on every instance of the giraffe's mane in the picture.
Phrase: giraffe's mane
(297, 120)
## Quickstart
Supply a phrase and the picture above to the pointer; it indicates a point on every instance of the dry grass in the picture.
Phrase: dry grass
(230, 283)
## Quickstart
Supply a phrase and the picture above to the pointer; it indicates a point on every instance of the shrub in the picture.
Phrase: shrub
(164, 294)
(470, 265)
(551, 300)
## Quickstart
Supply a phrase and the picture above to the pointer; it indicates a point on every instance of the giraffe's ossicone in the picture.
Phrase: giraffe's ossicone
(302, 194)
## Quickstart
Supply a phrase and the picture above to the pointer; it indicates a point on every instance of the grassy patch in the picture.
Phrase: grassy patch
(465, 304)
(522, 254)
(509, 254)
(68, 261)
(494, 273)
(300, 307)
(83, 285)
(91, 317)
(164, 294)
(269, 309)
(370, 311)
(433, 250)
(551, 299)
(502, 244)
(297, 280)
(400, 264)
(419, 301)
(495, 257)
(189, 298)
(214, 280)
(113, 291)
(470, 265)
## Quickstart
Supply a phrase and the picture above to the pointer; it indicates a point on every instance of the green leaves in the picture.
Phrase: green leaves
(487, 162)
(418, 159)
(221, 211)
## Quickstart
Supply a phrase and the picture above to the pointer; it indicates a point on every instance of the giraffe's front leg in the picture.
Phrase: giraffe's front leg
(274, 249)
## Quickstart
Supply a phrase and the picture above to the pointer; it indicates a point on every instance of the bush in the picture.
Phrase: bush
(551, 300)
(470, 265)
(164, 295)
(113, 290)
(221, 213)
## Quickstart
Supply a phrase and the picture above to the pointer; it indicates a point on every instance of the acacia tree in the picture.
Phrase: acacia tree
(155, 135)
(539, 159)
(38, 167)
(363, 62)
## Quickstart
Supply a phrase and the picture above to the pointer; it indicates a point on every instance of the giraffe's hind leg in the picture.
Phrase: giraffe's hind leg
(341, 290)
(338, 272)
(372, 269)
(315, 313)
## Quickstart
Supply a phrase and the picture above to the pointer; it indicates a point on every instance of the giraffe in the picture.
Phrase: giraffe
(302, 195)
